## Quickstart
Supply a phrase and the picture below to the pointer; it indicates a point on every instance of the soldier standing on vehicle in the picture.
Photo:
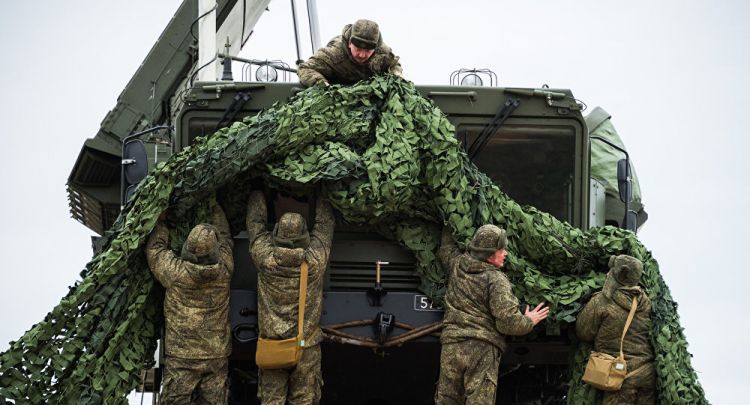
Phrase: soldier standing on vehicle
(603, 319)
(480, 310)
(278, 257)
(357, 54)
(196, 310)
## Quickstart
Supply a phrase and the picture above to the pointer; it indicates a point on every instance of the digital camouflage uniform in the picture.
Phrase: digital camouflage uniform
(196, 311)
(277, 256)
(334, 63)
(603, 319)
(480, 309)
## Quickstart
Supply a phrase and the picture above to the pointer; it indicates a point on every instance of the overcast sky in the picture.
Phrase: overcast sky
(673, 74)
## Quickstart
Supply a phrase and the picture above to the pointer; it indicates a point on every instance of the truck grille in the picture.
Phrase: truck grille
(345, 275)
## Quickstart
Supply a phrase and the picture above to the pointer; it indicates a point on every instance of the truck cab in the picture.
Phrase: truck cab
(386, 336)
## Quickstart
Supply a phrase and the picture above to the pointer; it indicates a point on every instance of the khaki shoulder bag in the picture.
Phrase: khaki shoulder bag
(606, 372)
(275, 354)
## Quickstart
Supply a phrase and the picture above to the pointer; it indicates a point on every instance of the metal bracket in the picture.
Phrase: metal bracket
(563, 102)
(214, 91)
(376, 293)
(383, 325)
(564, 106)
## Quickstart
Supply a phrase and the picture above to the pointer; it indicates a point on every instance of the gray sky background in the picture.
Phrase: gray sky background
(674, 75)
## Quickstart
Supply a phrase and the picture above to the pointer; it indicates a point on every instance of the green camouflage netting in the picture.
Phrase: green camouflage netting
(382, 154)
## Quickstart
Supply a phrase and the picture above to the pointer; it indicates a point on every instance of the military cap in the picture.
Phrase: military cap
(291, 231)
(487, 240)
(202, 245)
(626, 269)
(365, 34)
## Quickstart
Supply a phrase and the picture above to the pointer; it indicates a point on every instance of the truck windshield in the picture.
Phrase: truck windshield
(534, 165)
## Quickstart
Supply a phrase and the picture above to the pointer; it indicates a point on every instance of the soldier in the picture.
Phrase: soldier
(480, 310)
(278, 257)
(602, 321)
(196, 310)
(357, 54)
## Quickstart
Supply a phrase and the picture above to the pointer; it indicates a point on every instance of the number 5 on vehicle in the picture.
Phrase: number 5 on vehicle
(424, 303)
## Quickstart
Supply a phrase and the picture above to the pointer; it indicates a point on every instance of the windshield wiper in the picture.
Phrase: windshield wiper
(502, 114)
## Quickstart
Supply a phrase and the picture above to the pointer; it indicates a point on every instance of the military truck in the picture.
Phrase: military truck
(382, 331)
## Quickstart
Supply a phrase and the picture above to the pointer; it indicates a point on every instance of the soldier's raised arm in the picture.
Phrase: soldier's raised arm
(504, 307)
(448, 250)
(589, 319)
(219, 220)
(161, 259)
(322, 232)
(256, 217)
(317, 69)
(258, 237)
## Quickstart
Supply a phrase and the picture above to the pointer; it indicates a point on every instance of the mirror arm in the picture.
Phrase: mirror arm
(144, 132)
(627, 156)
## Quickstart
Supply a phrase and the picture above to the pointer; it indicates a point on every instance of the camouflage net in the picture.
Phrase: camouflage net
(382, 155)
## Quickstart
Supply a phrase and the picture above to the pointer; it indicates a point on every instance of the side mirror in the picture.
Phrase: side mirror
(623, 181)
(135, 161)
(134, 167)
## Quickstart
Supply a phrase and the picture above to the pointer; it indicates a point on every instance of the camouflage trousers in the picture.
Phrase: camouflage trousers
(633, 396)
(468, 373)
(194, 381)
(300, 385)
(639, 390)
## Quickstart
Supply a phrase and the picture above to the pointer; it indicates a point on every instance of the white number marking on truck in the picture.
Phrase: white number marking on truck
(424, 303)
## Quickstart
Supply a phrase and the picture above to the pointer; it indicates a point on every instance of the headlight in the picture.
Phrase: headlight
(471, 79)
(266, 73)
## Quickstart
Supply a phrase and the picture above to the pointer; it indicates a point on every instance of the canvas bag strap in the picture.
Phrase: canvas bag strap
(302, 298)
(633, 307)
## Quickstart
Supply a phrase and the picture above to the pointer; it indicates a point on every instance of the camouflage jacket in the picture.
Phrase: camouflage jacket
(196, 303)
(335, 64)
(603, 318)
(479, 302)
(278, 273)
